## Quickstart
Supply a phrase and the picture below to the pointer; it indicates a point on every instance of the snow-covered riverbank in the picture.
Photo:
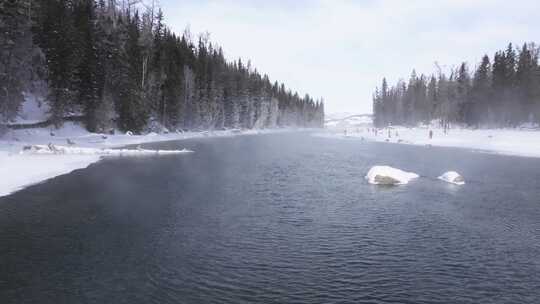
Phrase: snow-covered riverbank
(19, 170)
(502, 141)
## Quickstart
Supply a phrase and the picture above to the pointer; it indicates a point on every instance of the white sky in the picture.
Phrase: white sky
(340, 50)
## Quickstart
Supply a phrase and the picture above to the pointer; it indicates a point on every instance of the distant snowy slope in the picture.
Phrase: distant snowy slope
(347, 120)
(338, 116)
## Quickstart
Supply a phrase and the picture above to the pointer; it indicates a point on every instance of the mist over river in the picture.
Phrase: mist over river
(282, 218)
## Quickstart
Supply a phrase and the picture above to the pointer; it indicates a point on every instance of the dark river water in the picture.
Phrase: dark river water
(282, 218)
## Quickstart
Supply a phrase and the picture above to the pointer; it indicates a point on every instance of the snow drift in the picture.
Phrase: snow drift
(453, 178)
(385, 175)
(62, 150)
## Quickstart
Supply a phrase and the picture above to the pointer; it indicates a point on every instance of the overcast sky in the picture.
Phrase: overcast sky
(340, 50)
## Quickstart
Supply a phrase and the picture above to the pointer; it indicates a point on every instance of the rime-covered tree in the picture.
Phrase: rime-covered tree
(503, 94)
(116, 64)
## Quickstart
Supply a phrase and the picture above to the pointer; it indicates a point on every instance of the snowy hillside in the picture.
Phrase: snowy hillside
(348, 120)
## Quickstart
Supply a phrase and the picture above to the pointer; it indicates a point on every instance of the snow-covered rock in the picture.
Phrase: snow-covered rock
(453, 178)
(385, 175)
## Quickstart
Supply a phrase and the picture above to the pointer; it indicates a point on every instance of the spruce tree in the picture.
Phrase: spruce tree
(463, 102)
(15, 56)
(56, 39)
(481, 97)
(118, 69)
(86, 83)
(525, 85)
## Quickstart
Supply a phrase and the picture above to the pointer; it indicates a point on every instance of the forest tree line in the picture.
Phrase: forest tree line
(500, 92)
(116, 64)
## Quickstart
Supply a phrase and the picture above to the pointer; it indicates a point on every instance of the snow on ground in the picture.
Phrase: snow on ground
(18, 171)
(385, 175)
(33, 110)
(519, 142)
(77, 149)
(63, 150)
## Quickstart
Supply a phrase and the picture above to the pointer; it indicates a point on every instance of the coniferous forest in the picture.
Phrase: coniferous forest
(116, 64)
(500, 92)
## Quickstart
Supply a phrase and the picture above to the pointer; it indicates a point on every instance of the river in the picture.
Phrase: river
(283, 218)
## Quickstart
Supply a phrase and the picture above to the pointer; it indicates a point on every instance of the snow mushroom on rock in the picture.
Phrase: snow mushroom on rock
(453, 178)
(385, 175)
